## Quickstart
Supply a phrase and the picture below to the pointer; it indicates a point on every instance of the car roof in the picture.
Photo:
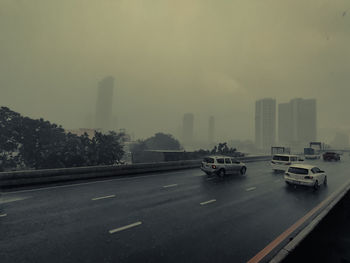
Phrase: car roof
(305, 166)
(283, 154)
(219, 156)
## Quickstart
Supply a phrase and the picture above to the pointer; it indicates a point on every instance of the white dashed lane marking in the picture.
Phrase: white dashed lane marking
(208, 202)
(125, 227)
(102, 197)
(170, 185)
(250, 189)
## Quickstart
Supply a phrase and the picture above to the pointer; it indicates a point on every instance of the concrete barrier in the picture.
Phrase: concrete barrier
(285, 244)
(312, 220)
(32, 177)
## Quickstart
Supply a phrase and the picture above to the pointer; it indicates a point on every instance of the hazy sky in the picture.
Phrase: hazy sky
(169, 57)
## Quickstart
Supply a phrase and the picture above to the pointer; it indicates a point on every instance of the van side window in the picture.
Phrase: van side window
(228, 160)
(221, 160)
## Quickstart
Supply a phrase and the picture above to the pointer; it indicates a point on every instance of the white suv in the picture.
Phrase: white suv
(308, 175)
(222, 165)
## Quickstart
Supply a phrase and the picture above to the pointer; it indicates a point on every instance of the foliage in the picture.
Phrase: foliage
(29, 143)
(220, 149)
(223, 149)
(160, 141)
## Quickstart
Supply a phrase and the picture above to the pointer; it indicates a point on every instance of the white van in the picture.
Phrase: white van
(281, 162)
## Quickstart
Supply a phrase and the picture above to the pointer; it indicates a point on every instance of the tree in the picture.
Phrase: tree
(9, 136)
(161, 141)
(25, 142)
(223, 149)
(106, 149)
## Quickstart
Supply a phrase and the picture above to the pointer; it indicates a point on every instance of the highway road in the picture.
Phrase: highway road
(181, 216)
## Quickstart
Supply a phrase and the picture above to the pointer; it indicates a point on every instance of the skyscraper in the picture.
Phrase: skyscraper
(297, 122)
(104, 104)
(211, 129)
(285, 130)
(187, 128)
(265, 123)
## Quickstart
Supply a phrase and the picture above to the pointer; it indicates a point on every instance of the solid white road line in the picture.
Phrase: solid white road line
(250, 189)
(208, 202)
(102, 197)
(4, 200)
(124, 227)
(88, 183)
(170, 185)
(3, 215)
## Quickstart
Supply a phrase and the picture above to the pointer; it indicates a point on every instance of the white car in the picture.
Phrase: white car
(303, 174)
(222, 165)
(281, 162)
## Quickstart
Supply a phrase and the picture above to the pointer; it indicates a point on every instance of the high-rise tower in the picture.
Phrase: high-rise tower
(104, 104)
(265, 123)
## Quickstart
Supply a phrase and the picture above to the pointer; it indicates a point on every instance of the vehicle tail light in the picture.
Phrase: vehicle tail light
(213, 166)
(308, 177)
(288, 163)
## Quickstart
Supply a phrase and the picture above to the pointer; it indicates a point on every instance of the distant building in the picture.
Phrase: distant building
(88, 120)
(104, 104)
(211, 130)
(285, 124)
(297, 122)
(340, 141)
(187, 128)
(265, 123)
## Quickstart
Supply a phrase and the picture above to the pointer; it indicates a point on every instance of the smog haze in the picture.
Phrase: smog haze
(209, 58)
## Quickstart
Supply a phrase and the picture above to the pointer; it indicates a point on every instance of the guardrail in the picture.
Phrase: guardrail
(32, 177)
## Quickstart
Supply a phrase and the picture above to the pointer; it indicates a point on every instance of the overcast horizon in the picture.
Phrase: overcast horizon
(172, 57)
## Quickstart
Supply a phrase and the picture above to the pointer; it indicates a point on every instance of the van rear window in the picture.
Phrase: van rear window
(281, 158)
(296, 170)
(208, 160)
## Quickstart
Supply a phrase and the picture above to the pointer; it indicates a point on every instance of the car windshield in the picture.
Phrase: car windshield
(281, 158)
(208, 160)
(297, 170)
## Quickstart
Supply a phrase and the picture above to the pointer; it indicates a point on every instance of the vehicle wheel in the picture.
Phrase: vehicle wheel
(288, 183)
(243, 170)
(316, 185)
(222, 173)
(325, 181)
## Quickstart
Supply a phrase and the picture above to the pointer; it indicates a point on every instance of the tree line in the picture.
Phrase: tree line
(27, 143)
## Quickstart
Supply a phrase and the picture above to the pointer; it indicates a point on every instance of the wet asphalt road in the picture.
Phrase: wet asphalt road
(182, 216)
